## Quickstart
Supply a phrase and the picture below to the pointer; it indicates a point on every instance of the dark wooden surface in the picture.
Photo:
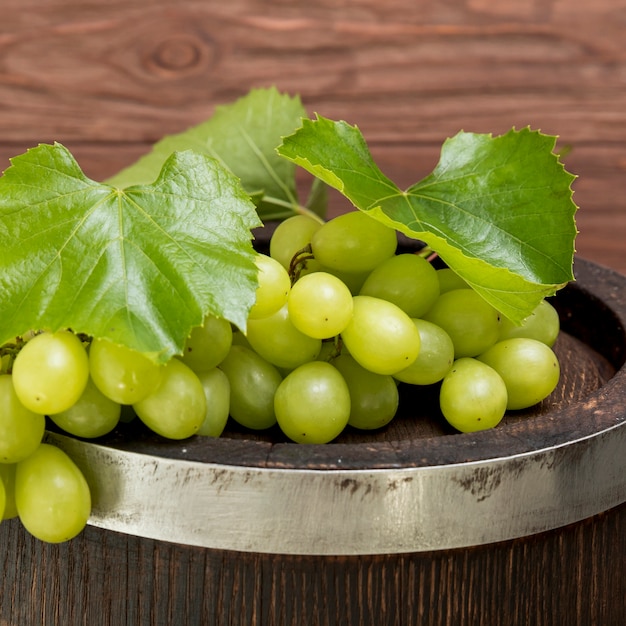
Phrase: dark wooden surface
(109, 78)
(108, 579)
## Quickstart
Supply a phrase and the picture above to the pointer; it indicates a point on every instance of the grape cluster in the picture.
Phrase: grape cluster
(361, 317)
(341, 319)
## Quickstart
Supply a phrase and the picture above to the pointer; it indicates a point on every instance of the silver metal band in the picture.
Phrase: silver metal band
(352, 512)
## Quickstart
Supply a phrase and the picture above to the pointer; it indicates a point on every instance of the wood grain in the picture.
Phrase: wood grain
(110, 579)
(108, 79)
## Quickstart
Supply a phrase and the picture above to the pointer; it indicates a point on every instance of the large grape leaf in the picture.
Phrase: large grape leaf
(140, 266)
(498, 210)
(243, 136)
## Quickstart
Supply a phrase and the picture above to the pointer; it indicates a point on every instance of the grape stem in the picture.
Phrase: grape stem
(294, 207)
(298, 262)
(428, 253)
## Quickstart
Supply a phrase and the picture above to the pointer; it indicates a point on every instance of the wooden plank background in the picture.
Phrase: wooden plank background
(109, 78)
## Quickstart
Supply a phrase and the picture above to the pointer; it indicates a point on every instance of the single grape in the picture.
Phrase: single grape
(291, 236)
(353, 242)
(278, 341)
(472, 323)
(374, 398)
(21, 430)
(217, 393)
(7, 478)
(529, 368)
(473, 396)
(435, 357)
(312, 403)
(208, 345)
(51, 494)
(407, 280)
(542, 324)
(273, 289)
(92, 415)
(50, 372)
(449, 280)
(253, 383)
(381, 337)
(320, 305)
(177, 407)
(123, 375)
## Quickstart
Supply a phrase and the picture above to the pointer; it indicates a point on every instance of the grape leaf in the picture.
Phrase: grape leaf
(243, 136)
(498, 210)
(139, 266)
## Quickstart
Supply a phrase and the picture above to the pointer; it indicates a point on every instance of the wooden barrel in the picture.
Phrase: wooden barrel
(416, 524)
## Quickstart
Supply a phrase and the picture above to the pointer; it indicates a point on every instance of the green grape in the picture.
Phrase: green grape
(319, 305)
(529, 368)
(123, 375)
(177, 407)
(407, 280)
(207, 345)
(473, 396)
(291, 236)
(352, 280)
(381, 337)
(374, 398)
(542, 324)
(253, 383)
(92, 415)
(51, 494)
(50, 372)
(312, 403)
(435, 357)
(353, 242)
(7, 478)
(278, 341)
(472, 323)
(273, 289)
(449, 280)
(21, 430)
(217, 393)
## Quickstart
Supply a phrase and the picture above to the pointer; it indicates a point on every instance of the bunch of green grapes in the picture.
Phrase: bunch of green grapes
(341, 319)
(361, 317)
(83, 386)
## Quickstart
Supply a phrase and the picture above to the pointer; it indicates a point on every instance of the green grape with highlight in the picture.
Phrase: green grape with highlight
(529, 368)
(353, 242)
(312, 403)
(473, 396)
(320, 305)
(176, 409)
(50, 372)
(51, 495)
(381, 337)
(407, 280)
(92, 415)
(123, 375)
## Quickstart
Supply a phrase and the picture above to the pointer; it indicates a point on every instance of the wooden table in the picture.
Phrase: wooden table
(108, 79)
